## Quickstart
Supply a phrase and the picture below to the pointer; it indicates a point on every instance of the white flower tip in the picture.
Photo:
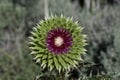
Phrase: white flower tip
(31, 38)
(46, 18)
(51, 68)
(76, 22)
(51, 15)
(85, 50)
(68, 19)
(33, 53)
(82, 28)
(71, 18)
(61, 15)
(38, 60)
(55, 15)
(41, 21)
(85, 36)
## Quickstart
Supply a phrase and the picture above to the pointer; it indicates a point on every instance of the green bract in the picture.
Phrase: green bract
(66, 29)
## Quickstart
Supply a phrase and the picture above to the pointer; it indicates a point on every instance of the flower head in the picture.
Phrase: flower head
(57, 43)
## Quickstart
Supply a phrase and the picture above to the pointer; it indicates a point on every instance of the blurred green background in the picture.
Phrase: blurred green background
(101, 22)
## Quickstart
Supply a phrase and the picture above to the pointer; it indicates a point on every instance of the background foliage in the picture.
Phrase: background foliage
(101, 19)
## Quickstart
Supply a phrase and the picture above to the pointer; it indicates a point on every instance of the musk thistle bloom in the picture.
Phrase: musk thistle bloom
(57, 43)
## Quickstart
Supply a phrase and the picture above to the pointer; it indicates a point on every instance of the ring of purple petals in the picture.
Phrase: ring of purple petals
(59, 40)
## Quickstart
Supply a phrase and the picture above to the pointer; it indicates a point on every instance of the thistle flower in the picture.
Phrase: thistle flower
(57, 43)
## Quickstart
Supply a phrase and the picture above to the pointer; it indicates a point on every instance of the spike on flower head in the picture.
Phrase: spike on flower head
(57, 43)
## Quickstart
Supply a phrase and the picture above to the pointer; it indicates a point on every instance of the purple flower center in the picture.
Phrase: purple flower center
(59, 40)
